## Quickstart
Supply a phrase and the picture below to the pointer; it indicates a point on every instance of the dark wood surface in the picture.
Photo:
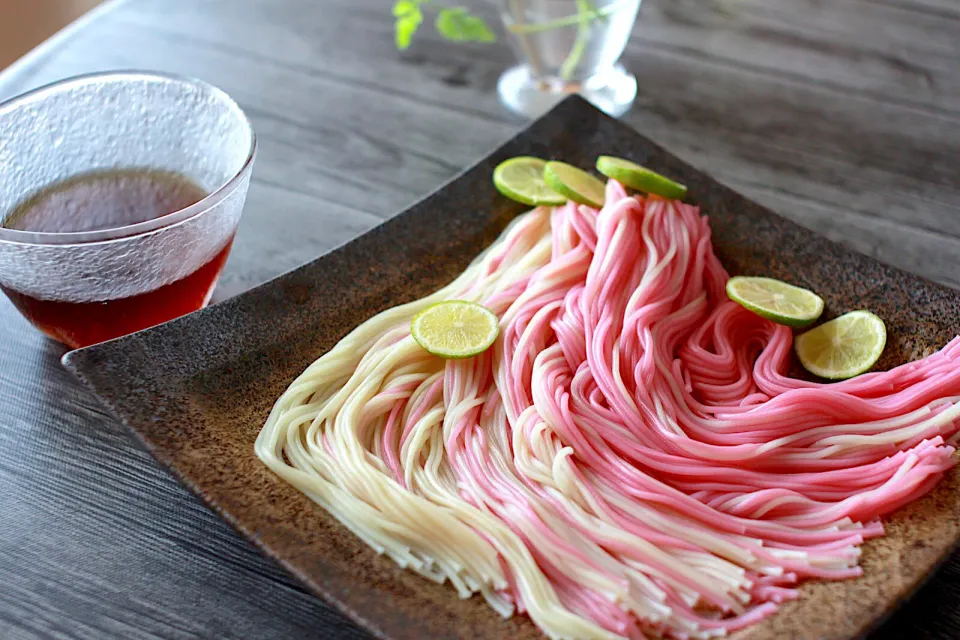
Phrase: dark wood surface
(841, 114)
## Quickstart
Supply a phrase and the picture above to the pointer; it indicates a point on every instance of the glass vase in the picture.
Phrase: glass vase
(564, 47)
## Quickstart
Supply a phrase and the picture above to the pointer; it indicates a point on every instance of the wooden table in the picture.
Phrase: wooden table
(841, 114)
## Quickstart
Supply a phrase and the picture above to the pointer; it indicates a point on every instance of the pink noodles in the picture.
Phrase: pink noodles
(630, 456)
(672, 413)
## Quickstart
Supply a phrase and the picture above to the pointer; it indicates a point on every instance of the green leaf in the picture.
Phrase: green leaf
(456, 23)
(403, 7)
(409, 16)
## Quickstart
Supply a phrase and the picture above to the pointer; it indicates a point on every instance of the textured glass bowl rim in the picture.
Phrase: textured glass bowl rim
(14, 236)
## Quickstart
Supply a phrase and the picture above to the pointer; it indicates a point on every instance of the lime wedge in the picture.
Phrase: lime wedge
(521, 179)
(778, 301)
(844, 347)
(576, 184)
(455, 329)
(631, 174)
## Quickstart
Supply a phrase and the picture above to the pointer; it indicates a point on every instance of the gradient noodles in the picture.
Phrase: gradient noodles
(629, 457)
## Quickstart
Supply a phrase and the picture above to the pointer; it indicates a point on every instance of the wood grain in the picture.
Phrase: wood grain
(841, 114)
(24, 25)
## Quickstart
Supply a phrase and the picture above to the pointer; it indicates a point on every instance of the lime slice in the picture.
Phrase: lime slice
(455, 329)
(844, 347)
(521, 179)
(632, 175)
(576, 184)
(778, 301)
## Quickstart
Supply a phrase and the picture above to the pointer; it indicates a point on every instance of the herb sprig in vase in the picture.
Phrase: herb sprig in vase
(564, 46)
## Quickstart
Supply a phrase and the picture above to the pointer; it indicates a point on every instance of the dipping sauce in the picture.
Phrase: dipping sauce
(109, 200)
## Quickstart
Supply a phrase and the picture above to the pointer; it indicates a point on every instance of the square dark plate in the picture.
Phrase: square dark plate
(197, 390)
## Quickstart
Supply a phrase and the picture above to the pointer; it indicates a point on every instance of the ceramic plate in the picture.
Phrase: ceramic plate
(197, 390)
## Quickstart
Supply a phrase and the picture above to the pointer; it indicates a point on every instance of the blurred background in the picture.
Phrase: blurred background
(26, 23)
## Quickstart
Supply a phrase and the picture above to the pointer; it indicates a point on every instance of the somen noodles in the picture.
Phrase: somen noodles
(630, 456)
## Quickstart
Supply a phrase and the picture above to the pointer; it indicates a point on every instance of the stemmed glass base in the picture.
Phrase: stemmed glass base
(612, 91)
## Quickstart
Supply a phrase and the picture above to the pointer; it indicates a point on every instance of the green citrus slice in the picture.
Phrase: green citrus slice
(455, 329)
(631, 174)
(521, 179)
(844, 347)
(778, 301)
(576, 184)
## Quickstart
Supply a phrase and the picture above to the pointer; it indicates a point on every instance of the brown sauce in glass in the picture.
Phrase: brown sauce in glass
(104, 200)
(108, 200)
